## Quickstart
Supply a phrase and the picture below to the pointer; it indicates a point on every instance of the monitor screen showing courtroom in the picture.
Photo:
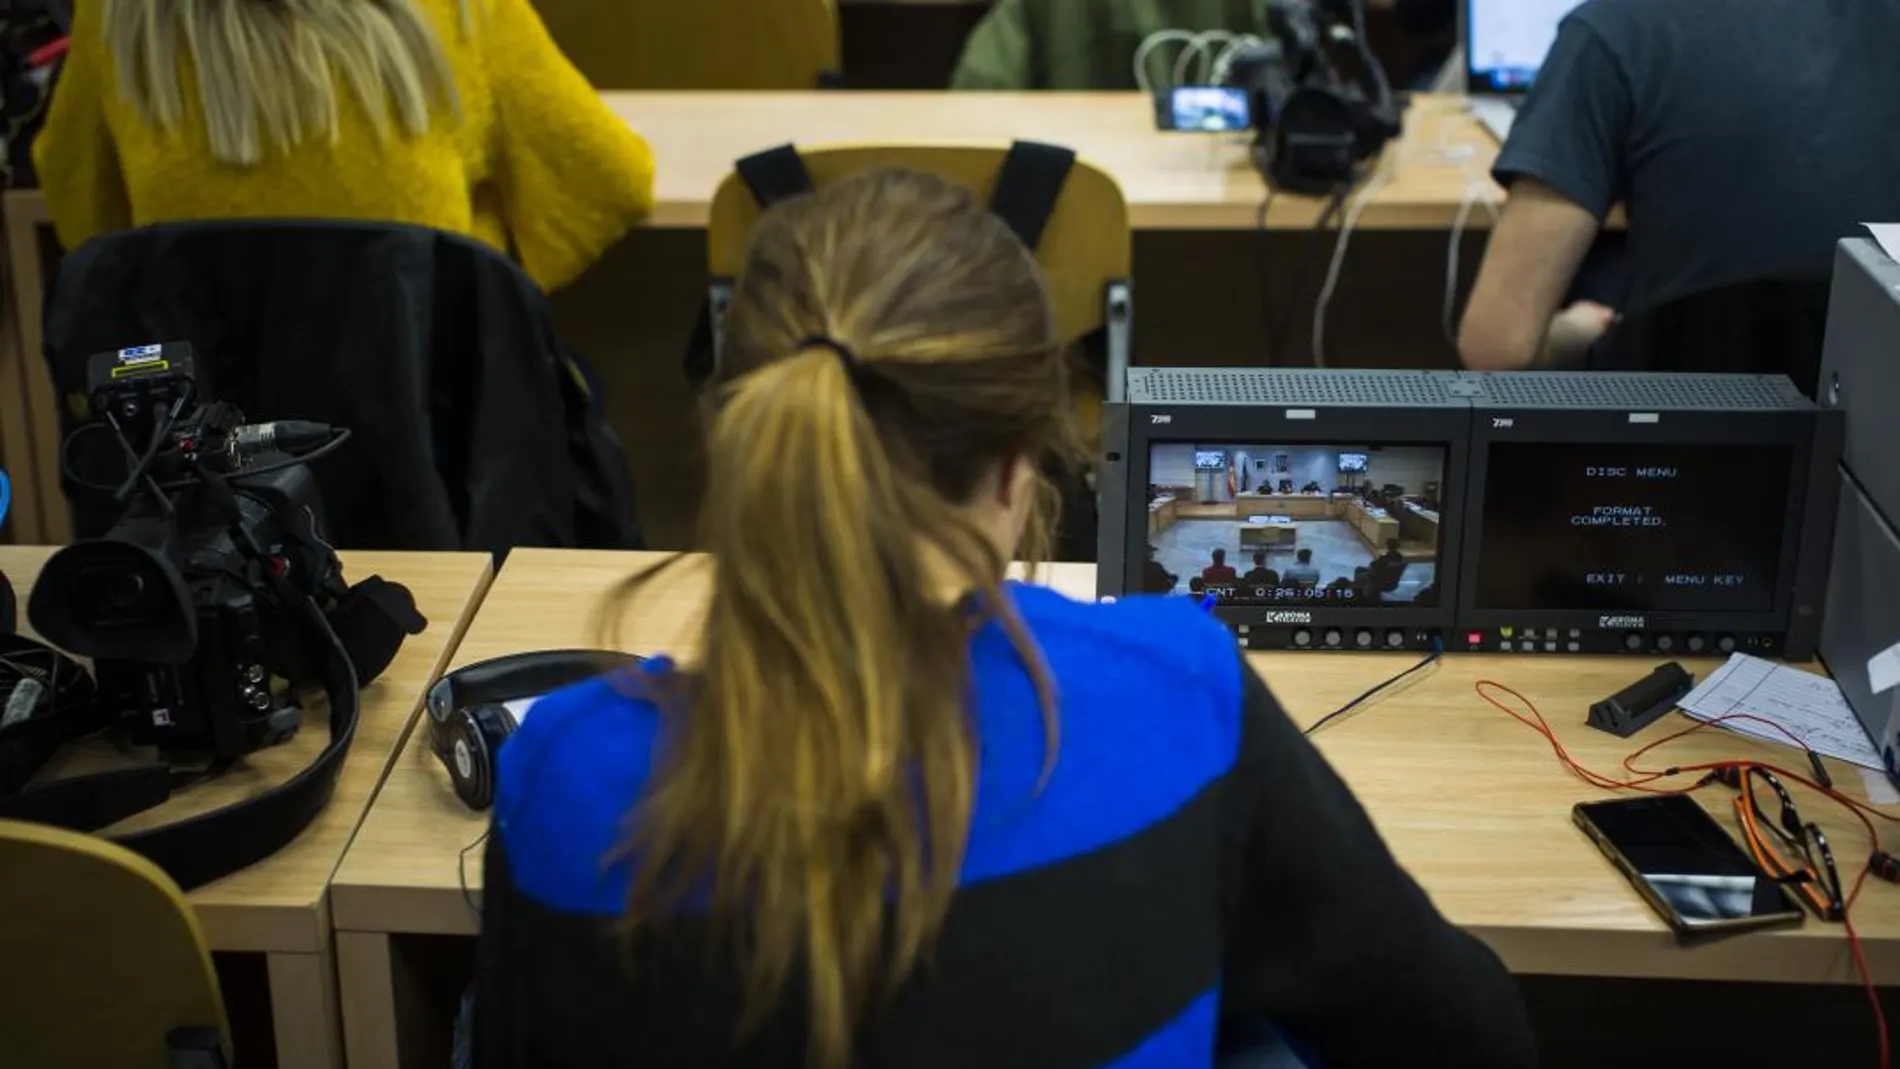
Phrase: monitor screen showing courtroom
(1656, 528)
(1346, 525)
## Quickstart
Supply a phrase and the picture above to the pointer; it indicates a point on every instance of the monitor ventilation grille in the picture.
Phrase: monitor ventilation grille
(1290, 386)
(1639, 390)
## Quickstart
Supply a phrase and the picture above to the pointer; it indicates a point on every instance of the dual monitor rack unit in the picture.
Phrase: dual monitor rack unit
(1524, 512)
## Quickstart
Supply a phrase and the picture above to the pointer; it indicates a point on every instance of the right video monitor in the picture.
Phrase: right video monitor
(1643, 528)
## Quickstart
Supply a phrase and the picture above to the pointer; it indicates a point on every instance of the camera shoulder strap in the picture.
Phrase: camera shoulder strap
(196, 850)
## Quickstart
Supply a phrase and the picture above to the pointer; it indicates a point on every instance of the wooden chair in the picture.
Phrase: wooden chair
(106, 964)
(698, 44)
(1085, 251)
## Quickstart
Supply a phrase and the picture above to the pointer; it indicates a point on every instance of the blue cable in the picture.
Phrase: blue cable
(6, 496)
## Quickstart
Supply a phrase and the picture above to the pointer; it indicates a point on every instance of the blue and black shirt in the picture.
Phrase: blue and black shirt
(1191, 862)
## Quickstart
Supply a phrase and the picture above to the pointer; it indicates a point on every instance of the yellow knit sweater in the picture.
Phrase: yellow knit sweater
(537, 164)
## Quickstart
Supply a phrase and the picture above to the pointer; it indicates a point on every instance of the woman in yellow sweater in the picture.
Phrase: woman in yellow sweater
(460, 115)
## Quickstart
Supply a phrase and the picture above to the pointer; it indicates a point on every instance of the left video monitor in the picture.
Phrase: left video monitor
(1339, 525)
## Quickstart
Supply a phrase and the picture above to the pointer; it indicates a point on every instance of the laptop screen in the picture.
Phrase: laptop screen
(1506, 41)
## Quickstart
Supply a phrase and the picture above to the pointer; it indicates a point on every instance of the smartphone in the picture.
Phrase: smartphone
(1213, 109)
(1687, 868)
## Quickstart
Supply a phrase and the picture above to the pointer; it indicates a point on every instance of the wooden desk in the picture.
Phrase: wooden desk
(1171, 181)
(1472, 803)
(279, 907)
(1374, 527)
(1161, 515)
(1267, 534)
(1297, 506)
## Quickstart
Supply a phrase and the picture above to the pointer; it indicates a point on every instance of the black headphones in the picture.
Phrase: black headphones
(469, 717)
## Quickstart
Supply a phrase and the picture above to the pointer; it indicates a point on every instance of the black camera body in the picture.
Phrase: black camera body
(210, 603)
(188, 605)
(1316, 124)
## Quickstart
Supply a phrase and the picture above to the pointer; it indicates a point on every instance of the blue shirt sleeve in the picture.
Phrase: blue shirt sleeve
(1573, 131)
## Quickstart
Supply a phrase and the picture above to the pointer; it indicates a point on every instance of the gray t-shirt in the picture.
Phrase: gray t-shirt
(1743, 137)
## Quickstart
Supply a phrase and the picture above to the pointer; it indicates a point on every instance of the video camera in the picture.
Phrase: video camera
(207, 606)
(1316, 124)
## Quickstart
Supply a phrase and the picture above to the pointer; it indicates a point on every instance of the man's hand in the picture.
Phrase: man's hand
(1573, 331)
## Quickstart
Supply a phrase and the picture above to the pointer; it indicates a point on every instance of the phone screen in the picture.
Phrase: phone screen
(1216, 109)
(1685, 864)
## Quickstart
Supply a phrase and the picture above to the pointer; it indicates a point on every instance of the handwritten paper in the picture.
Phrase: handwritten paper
(1806, 706)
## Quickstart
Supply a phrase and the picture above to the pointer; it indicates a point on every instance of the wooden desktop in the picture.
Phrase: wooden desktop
(1471, 801)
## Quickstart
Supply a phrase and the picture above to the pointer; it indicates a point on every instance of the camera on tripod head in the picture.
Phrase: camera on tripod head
(191, 604)
(1317, 125)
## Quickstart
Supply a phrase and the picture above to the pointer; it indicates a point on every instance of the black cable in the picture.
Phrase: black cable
(338, 437)
(161, 430)
(1438, 650)
(461, 873)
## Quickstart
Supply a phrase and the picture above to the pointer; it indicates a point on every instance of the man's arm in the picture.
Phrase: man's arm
(1511, 321)
(1566, 164)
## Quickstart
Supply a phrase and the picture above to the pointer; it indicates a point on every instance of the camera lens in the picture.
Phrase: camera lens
(114, 596)
(122, 591)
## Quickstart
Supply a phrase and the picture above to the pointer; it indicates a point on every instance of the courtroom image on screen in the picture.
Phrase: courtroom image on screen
(1348, 524)
(1659, 528)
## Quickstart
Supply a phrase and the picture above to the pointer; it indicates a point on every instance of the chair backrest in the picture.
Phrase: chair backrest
(697, 44)
(105, 959)
(1761, 326)
(1086, 244)
(472, 428)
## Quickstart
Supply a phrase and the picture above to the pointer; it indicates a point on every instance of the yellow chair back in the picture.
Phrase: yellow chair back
(104, 956)
(1087, 244)
(696, 44)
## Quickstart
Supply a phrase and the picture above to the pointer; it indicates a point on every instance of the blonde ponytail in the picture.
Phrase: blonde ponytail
(889, 346)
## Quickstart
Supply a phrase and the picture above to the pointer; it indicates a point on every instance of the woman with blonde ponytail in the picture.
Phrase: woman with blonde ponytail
(889, 809)
(460, 115)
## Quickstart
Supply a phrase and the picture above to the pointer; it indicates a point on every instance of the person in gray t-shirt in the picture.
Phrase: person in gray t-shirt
(1743, 140)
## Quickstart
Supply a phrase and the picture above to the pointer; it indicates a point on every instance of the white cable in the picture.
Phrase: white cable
(1224, 60)
(1198, 47)
(1149, 44)
(1351, 220)
(1477, 192)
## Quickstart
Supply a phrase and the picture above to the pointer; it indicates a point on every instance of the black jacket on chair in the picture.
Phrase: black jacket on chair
(472, 428)
(1763, 326)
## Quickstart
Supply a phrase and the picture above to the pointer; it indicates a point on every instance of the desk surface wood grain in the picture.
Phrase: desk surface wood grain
(1473, 803)
(1172, 181)
(278, 904)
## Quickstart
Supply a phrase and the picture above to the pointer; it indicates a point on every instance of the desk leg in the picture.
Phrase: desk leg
(366, 982)
(304, 1010)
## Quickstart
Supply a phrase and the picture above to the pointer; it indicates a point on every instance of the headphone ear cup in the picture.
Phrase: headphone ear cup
(478, 735)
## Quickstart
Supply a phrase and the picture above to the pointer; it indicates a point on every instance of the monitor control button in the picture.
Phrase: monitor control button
(1697, 643)
(1333, 637)
(1726, 643)
(1363, 639)
(1395, 638)
(1665, 643)
(1633, 641)
(1302, 638)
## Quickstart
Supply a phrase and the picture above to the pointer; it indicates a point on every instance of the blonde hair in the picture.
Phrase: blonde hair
(268, 69)
(889, 346)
